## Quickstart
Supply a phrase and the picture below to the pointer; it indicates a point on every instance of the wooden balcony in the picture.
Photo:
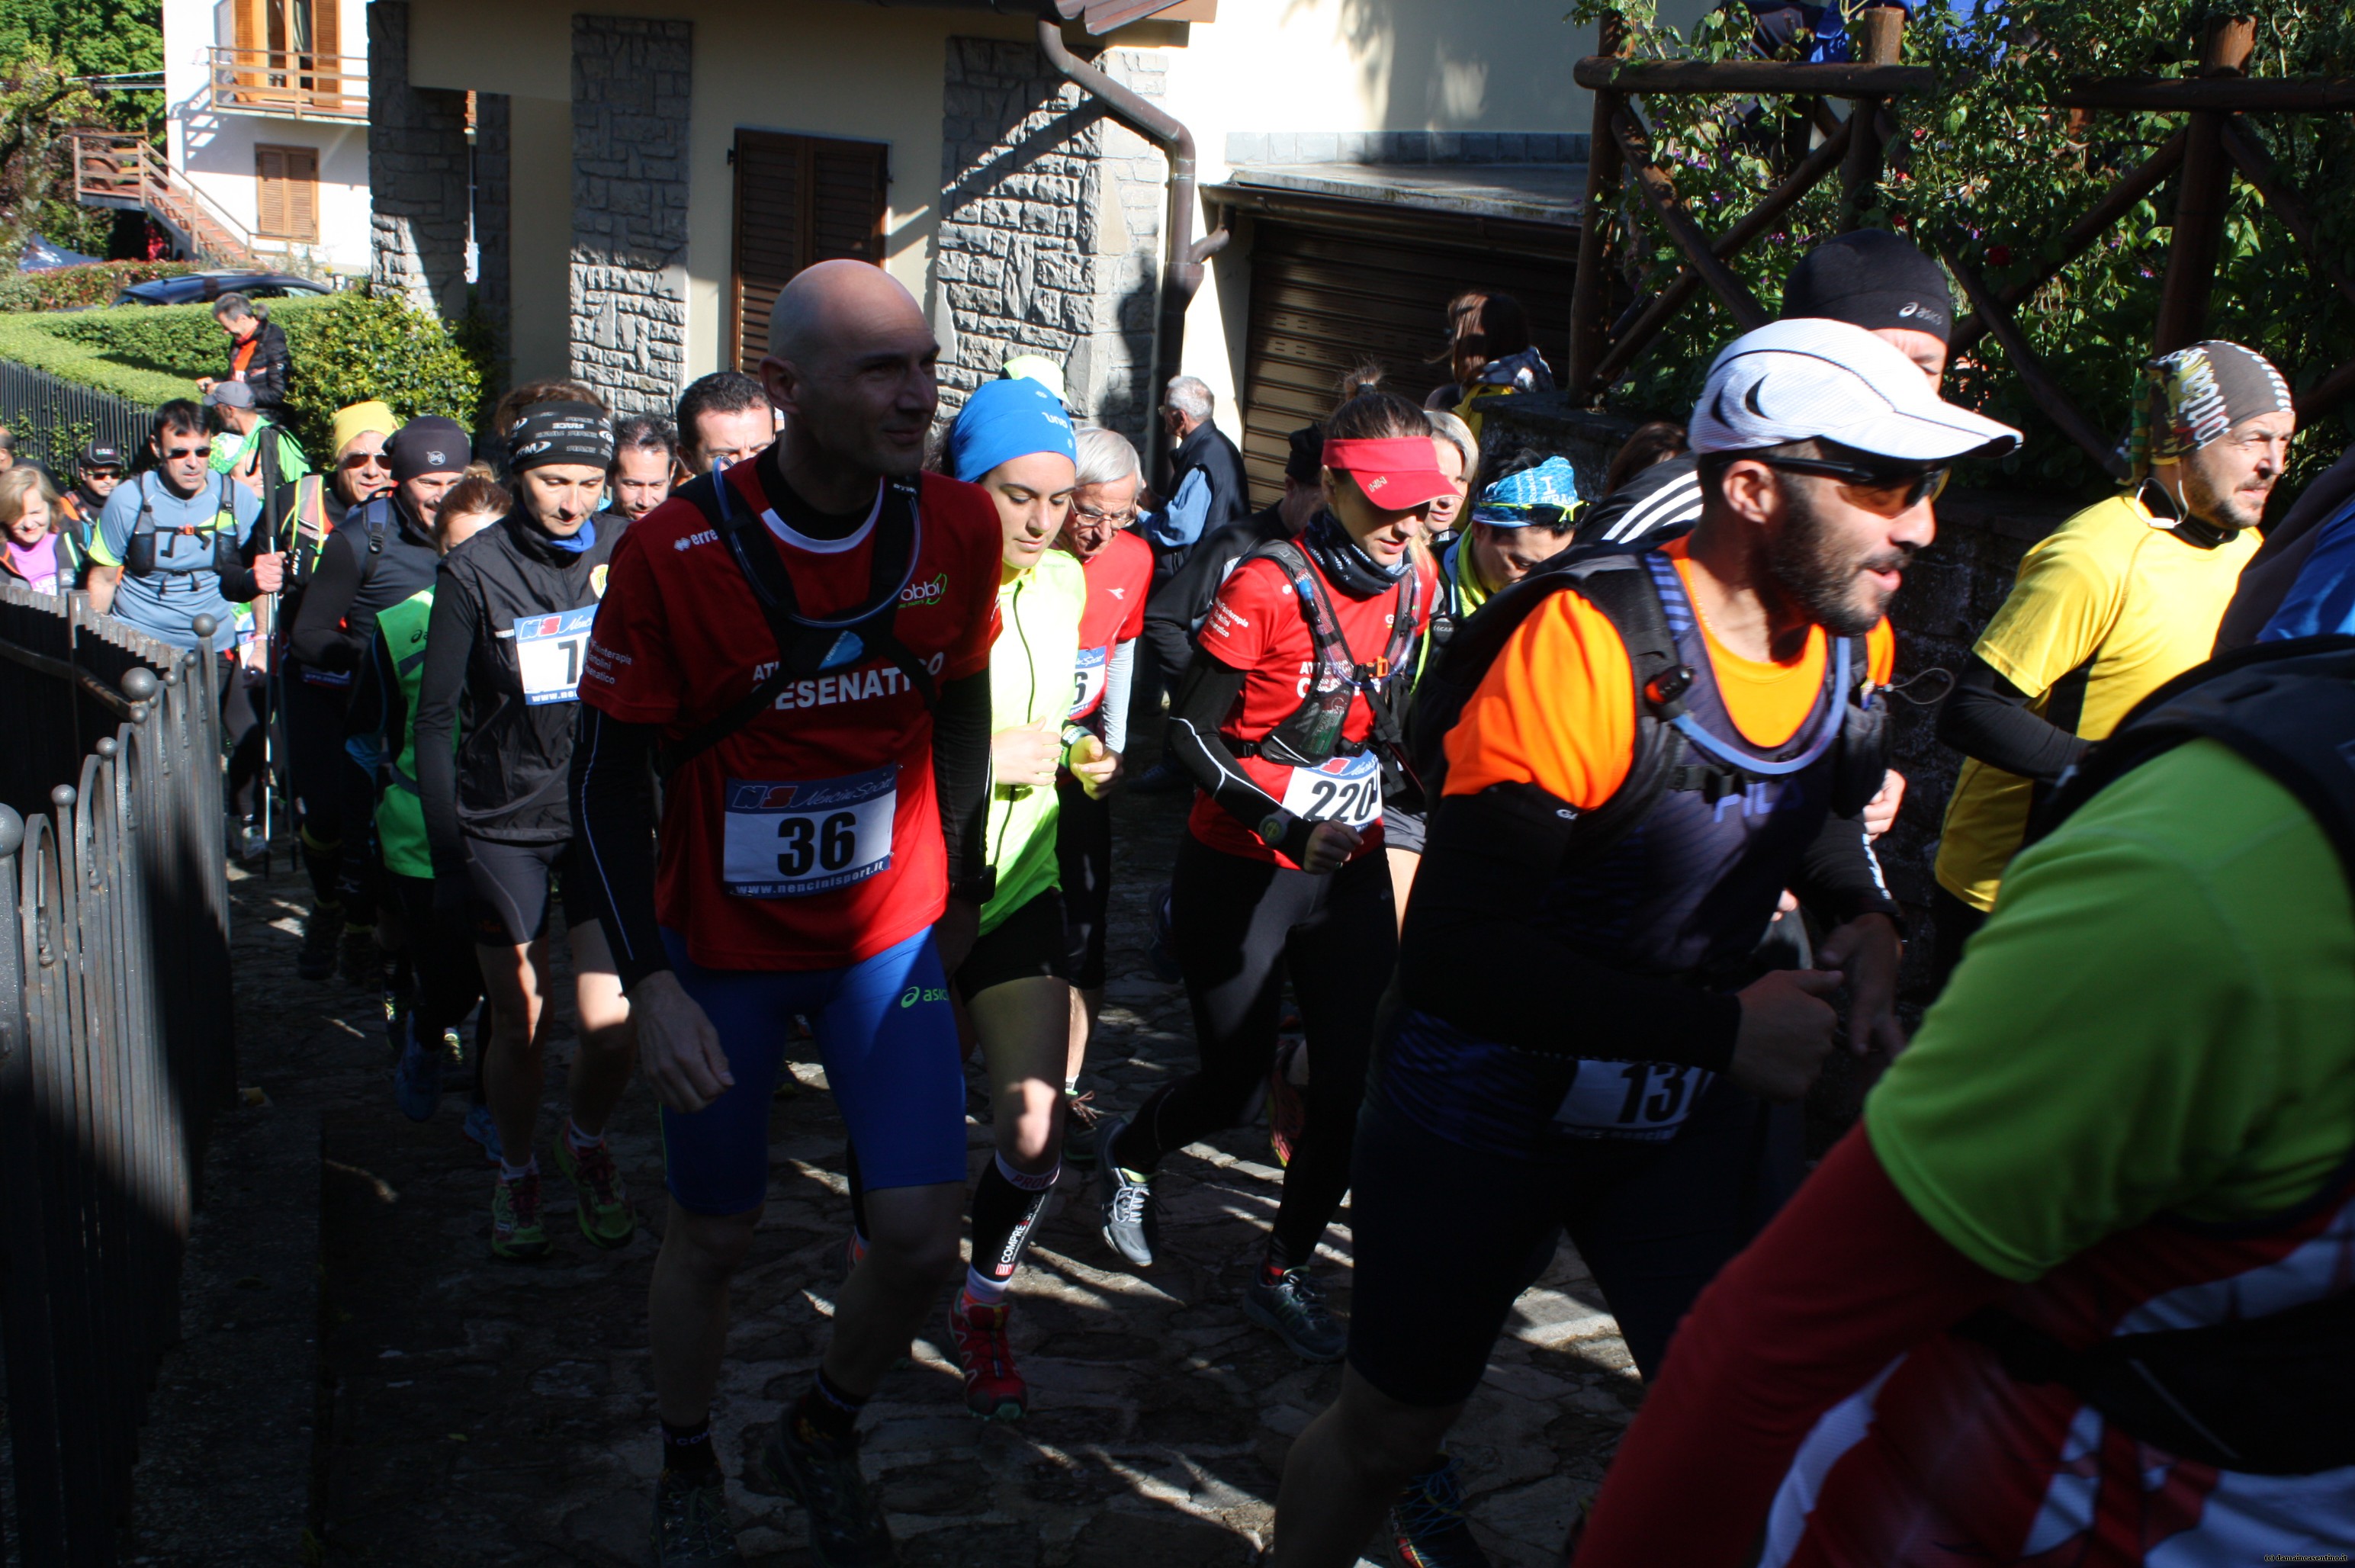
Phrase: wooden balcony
(289, 84)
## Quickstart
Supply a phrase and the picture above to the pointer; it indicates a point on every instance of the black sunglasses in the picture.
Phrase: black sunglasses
(175, 453)
(1918, 483)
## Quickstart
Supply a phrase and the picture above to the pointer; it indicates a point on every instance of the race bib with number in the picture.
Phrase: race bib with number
(548, 650)
(793, 840)
(1643, 1101)
(1088, 680)
(1346, 790)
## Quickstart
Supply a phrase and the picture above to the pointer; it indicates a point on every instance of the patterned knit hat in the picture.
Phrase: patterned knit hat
(2194, 395)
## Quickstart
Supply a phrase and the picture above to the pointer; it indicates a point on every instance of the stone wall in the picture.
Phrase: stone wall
(417, 173)
(632, 78)
(494, 269)
(1050, 230)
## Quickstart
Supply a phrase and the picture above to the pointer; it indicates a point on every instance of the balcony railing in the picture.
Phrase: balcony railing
(289, 84)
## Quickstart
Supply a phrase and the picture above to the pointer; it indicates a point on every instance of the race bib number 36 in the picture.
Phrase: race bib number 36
(1645, 1101)
(791, 840)
(1346, 789)
(548, 650)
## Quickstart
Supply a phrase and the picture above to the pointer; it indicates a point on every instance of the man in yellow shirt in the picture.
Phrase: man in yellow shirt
(2115, 603)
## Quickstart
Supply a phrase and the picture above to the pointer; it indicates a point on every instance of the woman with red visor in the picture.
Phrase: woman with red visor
(1287, 722)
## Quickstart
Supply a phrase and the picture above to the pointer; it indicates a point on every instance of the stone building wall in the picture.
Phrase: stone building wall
(417, 174)
(1050, 230)
(494, 269)
(632, 78)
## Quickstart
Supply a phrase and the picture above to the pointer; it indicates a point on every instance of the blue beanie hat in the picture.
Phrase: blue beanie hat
(1006, 420)
(1545, 494)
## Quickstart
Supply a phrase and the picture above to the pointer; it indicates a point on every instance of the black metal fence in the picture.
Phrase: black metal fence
(52, 420)
(116, 1043)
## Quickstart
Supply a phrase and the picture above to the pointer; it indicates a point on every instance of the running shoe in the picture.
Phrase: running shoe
(417, 1076)
(1428, 1529)
(846, 1517)
(1293, 1305)
(363, 959)
(1081, 1122)
(454, 1050)
(691, 1524)
(993, 1390)
(251, 843)
(1287, 1109)
(322, 934)
(606, 1217)
(481, 1128)
(1130, 1227)
(1162, 952)
(517, 1228)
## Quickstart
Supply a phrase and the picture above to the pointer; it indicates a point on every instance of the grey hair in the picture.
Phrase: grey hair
(1448, 428)
(1190, 396)
(1107, 457)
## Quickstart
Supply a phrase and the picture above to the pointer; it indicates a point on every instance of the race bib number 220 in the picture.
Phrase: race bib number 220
(794, 840)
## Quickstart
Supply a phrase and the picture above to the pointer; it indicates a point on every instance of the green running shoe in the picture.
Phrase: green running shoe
(606, 1217)
(515, 1228)
(691, 1525)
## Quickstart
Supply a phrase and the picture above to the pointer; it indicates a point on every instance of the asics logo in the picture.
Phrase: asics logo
(914, 994)
(930, 592)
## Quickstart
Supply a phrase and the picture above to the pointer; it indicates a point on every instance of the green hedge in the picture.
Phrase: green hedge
(73, 288)
(346, 348)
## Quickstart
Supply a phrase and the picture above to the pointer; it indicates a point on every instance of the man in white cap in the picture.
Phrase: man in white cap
(1650, 748)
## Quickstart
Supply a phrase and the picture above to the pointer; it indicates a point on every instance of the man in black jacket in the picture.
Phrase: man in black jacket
(257, 353)
(1206, 490)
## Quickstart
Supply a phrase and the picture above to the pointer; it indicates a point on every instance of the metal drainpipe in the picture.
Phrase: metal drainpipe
(1182, 254)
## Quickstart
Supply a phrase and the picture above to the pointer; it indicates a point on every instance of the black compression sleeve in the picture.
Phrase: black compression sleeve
(1204, 699)
(449, 649)
(1840, 878)
(1986, 716)
(319, 638)
(960, 780)
(1480, 890)
(614, 822)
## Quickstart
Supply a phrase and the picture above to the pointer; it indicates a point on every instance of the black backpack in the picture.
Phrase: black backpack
(2269, 1394)
(1310, 735)
(1617, 582)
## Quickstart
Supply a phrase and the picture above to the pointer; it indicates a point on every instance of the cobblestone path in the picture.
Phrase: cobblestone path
(474, 1412)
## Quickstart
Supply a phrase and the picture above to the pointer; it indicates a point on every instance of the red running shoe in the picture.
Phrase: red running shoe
(993, 1390)
(1287, 1112)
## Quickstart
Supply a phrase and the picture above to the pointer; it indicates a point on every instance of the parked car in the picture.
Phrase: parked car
(195, 288)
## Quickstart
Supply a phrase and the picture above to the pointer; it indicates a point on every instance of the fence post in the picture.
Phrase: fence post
(1880, 36)
(2201, 193)
(1590, 294)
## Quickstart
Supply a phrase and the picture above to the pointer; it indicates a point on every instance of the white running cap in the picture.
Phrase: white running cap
(1809, 379)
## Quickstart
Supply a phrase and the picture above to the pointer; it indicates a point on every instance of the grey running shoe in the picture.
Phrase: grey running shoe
(1129, 1228)
(845, 1519)
(691, 1525)
(1295, 1308)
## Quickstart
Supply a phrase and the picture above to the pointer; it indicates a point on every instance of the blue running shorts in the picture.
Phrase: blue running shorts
(889, 1043)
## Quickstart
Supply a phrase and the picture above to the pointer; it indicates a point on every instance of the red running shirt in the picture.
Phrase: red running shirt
(810, 839)
(1256, 624)
(1118, 576)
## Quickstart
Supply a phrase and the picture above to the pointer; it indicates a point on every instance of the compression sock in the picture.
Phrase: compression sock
(686, 1450)
(1006, 1207)
(510, 1172)
(581, 1139)
(824, 1415)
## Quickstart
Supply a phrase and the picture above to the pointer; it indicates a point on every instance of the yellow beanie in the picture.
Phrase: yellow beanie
(359, 418)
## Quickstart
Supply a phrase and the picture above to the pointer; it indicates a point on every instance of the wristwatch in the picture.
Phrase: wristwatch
(1273, 827)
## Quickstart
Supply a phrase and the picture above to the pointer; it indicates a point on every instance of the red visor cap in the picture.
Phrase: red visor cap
(1397, 474)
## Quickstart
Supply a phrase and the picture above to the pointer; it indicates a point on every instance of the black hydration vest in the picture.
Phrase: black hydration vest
(139, 553)
(1672, 752)
(2271, 1394)
(1311, 735)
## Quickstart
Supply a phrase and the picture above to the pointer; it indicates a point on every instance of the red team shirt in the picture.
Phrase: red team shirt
(1256, 624)
(1118, 576)
(777, 848)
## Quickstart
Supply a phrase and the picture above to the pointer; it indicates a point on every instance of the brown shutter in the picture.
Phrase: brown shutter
(799, 200)
(302, 193)
(1325, 300)
(270, 193)
(326, 44)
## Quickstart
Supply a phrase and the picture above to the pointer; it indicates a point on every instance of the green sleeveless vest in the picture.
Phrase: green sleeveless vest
(400, 814)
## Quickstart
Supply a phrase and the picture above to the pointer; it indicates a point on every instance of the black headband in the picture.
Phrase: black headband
(560, 433)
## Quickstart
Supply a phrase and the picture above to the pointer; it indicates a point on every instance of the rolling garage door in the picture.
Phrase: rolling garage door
(1324, 300)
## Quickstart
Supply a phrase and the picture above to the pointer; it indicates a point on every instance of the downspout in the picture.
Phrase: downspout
(1182, 255)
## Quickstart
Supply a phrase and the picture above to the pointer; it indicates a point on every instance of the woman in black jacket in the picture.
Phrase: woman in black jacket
(257, 352)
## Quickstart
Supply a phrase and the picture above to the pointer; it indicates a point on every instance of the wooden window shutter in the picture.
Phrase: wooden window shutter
(799, 200)
(286, 193)
(269, 190)
(247, 21)
(326, 28)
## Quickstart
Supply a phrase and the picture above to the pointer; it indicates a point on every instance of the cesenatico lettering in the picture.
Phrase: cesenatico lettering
(849, 686)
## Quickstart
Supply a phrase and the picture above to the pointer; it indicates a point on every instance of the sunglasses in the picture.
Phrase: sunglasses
(1919, 484)
(368, 460)
(1545, 514)
(175, 454)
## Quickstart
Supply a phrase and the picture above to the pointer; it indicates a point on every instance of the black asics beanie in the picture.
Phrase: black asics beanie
(428, 446)
(1872, 279)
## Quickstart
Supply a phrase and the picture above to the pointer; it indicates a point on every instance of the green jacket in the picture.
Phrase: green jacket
(1030, 675)
(401, 669)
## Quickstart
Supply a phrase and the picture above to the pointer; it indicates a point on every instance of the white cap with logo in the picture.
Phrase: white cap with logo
(1811, 378)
